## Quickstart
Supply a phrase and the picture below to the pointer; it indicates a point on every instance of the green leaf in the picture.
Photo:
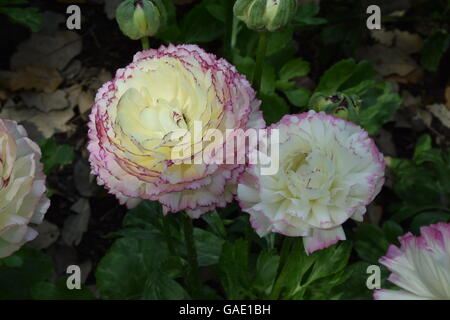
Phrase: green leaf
(424, 144)
(426, 219)
(268, 79)
(233, 267)
(217, 9)
(355, 287)
(145, 215)
(379, 104)
(266, 271)
(279, 40)
(335, 76)
(392, 231)
(294, 68)
(200, 26)
(29, 17)
(274, 107)
(160, 286)
(298, 97)
(127, 269)
(244, 65)
(17, 279)
(304, 274)
(54, 155)
(370, 243)
(433, 49)
(330, 261)
(209, 247)
(306, 12)
(215, 222)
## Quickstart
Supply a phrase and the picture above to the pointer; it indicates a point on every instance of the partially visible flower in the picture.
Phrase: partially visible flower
(329, 170)
(269, 15)
(421, 266)
(135, 116)
(22, 187)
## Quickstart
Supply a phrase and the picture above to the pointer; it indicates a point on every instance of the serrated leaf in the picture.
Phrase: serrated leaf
(126, 271)
(54, 155)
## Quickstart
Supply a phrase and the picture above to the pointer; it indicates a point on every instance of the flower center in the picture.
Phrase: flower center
(309, 175)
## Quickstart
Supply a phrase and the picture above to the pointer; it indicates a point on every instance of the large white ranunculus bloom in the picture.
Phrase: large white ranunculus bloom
(329, 170)
(22, 187)
(136, 115)
(421, 266)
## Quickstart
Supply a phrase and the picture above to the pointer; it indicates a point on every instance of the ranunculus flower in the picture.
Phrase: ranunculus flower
(136, 115)
(22, 187)
(329, 170)
(421, 266)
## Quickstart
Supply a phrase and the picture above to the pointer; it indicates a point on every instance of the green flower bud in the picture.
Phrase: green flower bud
(141, 18)
(339, 105)
(267, 15)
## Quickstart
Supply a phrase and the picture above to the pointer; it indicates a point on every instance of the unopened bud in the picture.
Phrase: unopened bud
(340, 105)
(141, 18)
(269, 15)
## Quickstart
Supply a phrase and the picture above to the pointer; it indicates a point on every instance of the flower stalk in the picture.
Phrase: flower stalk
(145, 43)
(260, 55)
(194, 273)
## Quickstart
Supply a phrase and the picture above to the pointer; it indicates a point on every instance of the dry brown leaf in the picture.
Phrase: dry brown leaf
(407, 42)
(76, 225)
(388, 61)
(53, 51)
(45, 102)
(31, 77)
(413, 77)
(73, 92)
(85, 101)
(383, 37)
(46, 124)
(48, 234)
(441, 112)
(408, 100)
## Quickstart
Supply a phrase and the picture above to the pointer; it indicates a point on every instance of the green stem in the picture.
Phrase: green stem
(229, 29)
(286, 248)
(260, 55)
(234, 32)
(194, 275)
(145, 43)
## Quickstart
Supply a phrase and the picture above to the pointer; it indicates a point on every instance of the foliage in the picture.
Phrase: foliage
(54, 155)
(26, 274)
(28, 16)
(423, 186)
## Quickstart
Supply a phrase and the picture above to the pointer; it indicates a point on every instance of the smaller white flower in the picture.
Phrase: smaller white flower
(329, 170)
(420, 267)
(22, 187)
